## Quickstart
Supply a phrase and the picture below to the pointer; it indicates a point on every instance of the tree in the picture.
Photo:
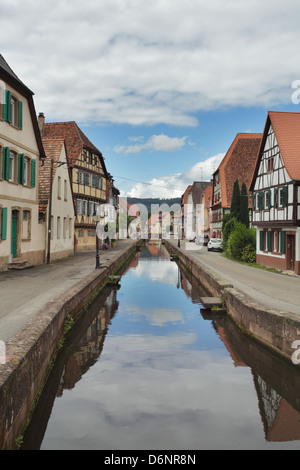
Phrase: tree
(235, 201)
(244, 209)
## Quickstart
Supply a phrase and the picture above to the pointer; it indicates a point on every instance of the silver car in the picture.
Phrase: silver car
(215, 244)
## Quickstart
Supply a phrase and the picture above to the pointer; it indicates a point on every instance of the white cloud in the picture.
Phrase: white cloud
(175, 185)
(115, 61)
(160, 142)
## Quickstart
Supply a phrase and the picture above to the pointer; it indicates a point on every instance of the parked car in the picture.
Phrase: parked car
(215, 244)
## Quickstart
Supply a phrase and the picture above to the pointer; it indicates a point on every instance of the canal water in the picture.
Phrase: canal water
(146, 368)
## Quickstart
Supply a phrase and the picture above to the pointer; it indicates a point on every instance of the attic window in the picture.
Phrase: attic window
(270, 164)
(12, 110)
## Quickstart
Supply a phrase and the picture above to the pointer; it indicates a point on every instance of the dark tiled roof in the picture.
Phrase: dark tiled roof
(6, 68)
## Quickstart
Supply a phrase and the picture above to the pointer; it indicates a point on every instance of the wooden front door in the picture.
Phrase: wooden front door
(14, 233)
(291, 252)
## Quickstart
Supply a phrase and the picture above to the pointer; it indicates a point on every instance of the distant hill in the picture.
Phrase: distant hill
(149, 201)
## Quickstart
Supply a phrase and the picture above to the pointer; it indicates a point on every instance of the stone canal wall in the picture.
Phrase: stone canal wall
(29, 353)
(274, 329)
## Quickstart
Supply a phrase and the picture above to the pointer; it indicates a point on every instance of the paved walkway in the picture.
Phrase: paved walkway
(274, 290)
(23, 293)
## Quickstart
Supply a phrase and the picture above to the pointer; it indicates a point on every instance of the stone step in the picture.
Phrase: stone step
(20, 265)
(209, 302)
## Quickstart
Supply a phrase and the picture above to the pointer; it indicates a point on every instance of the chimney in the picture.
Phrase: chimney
(41, 123)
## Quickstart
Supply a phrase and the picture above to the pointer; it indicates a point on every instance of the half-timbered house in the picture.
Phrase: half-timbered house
(88, 175)
(276, 193)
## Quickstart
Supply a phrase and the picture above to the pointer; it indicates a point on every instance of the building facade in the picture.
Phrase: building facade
(21, 149)
(276, 193)
(237, 164)
(59, 215)
(88, 175)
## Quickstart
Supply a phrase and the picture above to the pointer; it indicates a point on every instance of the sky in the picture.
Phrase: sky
(161, 87)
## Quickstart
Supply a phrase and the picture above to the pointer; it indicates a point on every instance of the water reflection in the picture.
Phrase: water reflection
(145, 369)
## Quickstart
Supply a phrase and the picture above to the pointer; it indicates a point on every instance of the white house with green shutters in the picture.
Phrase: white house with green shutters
(22, 237)
(276, 193)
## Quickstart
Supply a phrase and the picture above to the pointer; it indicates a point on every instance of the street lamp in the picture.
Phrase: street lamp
(97, 250)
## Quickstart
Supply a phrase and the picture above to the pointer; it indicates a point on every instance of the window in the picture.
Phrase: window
(270, 164)
(26, 231)
(80, 177)
(95, 181)
(86, 179)
(12, 110)
(59, 188)
(283, 196)
(26, 171)
(268, 199)
(58, 228)
(12, 164)
(65, 190)
(65, 227)
(79, 206)
(84, 208)
(70, 227)
(80, 233)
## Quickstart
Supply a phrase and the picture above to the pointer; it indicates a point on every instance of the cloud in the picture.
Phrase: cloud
(115, 62)
(174, 185)
(160, 142)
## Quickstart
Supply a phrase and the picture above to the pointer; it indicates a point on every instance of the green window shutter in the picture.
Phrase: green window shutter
(7, 106)
(261, 239)
(20, 114)
(21, 164)
(5, 166)
(253, 201)
(269, 240)
(33, 173)
(282, 242)
(284, 196)
(3, 223)
(261, 200)
(275, 198)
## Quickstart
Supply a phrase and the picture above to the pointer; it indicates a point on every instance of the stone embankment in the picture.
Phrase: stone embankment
(29, 352)
(278, 330)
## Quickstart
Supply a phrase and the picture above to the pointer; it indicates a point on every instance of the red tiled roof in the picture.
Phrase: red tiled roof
(207, 195)
(238, 164)
(74, 139)
(287, 131)
(53, 148)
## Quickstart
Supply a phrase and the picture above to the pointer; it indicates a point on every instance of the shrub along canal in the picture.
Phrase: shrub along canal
(147, 368)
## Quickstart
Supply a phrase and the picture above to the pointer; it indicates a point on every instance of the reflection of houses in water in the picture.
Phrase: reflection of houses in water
(276, 382)
(281, 421)
(90, 345)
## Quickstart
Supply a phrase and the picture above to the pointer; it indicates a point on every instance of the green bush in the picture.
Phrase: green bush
(241, 244)
(228, 227)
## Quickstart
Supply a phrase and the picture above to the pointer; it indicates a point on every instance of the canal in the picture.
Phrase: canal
(146, 368)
